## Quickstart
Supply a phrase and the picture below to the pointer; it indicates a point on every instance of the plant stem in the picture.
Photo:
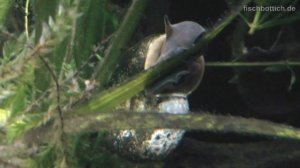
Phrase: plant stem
(199, 120)
(26, 18)
(193, 121)
(255, 24)
(252, 64)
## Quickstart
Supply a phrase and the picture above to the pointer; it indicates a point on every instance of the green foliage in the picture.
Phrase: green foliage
(113, 55)
(266, 19)
(12, 48)
(94, 25)
(4, 115)
(4, 7)
(45, 158)
(39, 74)
(95, 154)
(43, 9)
(21, 125)
(258, 20)
(46, 73)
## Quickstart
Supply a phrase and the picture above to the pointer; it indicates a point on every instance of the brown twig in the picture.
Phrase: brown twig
(58, 107)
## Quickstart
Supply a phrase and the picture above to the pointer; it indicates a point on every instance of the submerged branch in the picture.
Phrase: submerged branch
(193, 121)
(75, 123)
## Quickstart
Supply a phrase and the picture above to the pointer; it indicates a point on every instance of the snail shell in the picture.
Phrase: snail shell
(167, 95)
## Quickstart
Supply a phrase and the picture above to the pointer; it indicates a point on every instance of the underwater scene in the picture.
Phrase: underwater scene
(149, 84)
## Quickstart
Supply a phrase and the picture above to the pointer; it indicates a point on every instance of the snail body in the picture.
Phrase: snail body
(166, 95)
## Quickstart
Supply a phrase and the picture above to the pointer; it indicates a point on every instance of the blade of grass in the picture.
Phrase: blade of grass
(113, 54)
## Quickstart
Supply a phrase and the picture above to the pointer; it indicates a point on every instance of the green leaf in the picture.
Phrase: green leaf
(4, 8)
(19, 101)
(43, 9)
(267, 19)
(292, 80)
(45, 158)
(13, 48)
(94, 25)
(113, 56)
(21, 125)
(4, 115)
(280, 21)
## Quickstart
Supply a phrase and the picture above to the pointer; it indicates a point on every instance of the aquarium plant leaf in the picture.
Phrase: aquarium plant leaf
(113, 54)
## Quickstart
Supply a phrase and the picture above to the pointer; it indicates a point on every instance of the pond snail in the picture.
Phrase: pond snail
(166, 95)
